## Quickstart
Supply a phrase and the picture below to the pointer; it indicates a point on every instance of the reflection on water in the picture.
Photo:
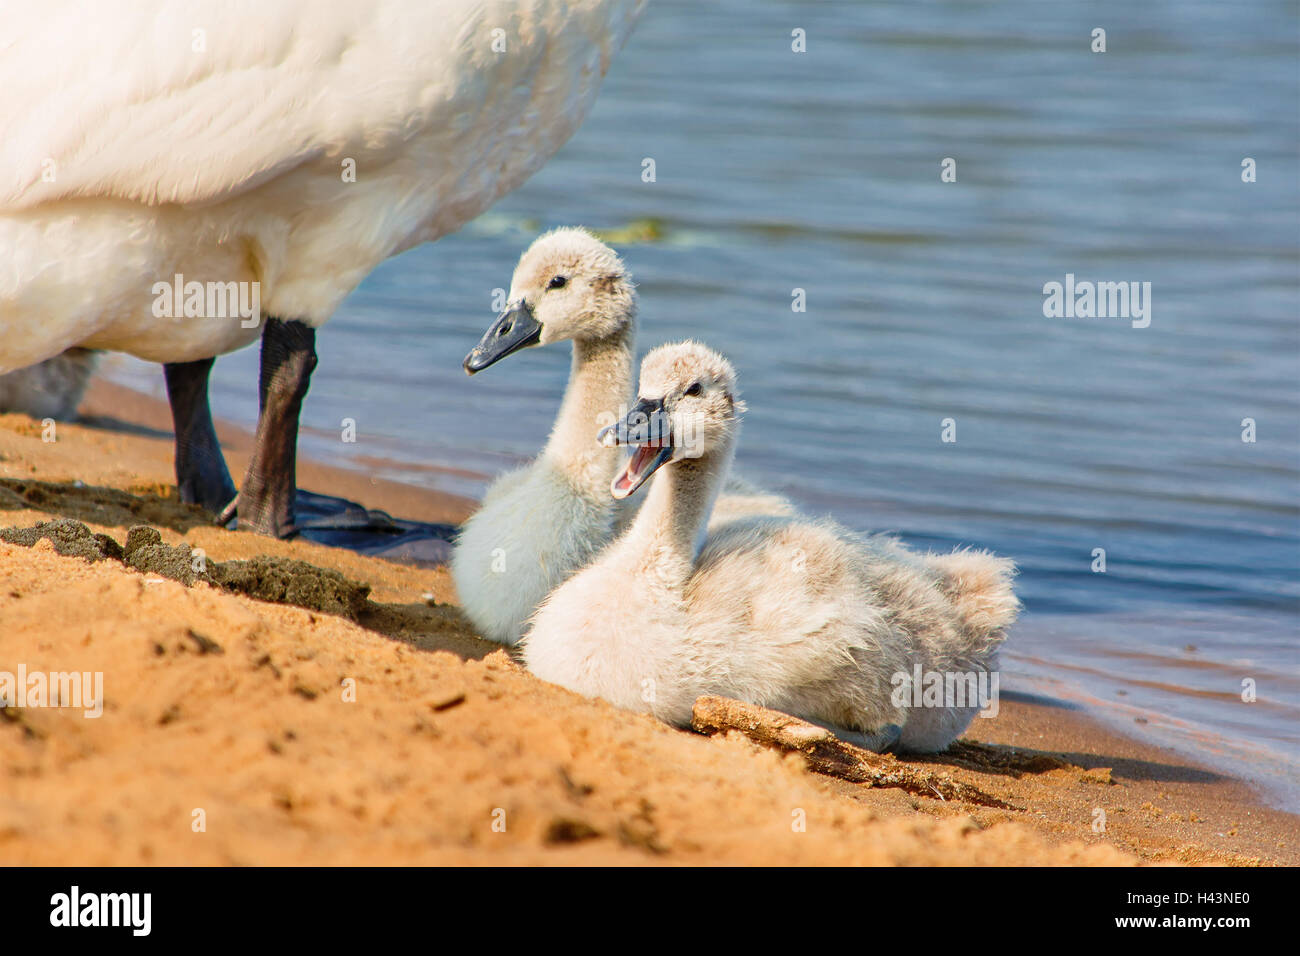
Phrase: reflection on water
(820, 171)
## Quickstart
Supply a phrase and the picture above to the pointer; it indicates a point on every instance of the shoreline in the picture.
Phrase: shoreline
(351, 783)
(110, 406)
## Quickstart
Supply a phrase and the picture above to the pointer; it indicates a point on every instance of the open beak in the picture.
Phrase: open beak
(647, 430)
(513, 330)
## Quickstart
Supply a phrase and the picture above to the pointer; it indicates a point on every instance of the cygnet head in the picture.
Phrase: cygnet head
(687, 406)
(567, 285)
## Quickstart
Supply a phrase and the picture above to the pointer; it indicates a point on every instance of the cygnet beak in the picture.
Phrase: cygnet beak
(648, 429)
(513, 330)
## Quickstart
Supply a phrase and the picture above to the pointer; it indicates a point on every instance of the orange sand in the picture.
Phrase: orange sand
(451, 753)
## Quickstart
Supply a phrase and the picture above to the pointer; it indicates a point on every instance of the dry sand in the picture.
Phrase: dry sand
(451, 753)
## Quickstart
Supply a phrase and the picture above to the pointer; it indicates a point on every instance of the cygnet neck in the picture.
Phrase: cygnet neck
(600, 382)
(670, 527)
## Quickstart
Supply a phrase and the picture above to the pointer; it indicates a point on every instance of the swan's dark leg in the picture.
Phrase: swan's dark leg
(201, 474)
(266, 499)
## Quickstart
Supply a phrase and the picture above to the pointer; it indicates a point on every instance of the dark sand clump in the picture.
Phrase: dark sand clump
(70, 538)
(288, 581)
(277, 580)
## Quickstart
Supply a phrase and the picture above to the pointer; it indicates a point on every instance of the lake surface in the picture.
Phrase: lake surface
(924, 301)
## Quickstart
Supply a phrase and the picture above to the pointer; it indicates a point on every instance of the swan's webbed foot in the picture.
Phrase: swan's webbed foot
(265, 503)
(227, 514)
(201, 474)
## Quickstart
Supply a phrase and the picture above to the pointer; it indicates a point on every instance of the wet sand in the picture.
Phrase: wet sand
(228, 735)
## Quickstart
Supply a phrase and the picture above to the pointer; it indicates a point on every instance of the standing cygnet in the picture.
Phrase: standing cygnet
(540, 523)
(803, 617)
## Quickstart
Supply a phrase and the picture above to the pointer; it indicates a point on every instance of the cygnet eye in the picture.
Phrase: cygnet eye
(557, 282)
(695, 389)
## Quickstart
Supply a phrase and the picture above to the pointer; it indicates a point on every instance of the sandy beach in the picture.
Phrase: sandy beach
(245, 731)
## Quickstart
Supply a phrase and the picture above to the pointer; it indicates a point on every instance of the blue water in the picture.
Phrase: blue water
(821, 171)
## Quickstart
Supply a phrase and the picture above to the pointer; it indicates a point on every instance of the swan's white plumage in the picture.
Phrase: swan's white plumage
(225, 164)
(792, 614)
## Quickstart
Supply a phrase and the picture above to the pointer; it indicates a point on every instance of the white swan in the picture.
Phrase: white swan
(540, 523)
(286, 147)
(798, 616)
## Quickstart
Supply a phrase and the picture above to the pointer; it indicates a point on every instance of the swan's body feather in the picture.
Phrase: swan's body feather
(136, 148)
